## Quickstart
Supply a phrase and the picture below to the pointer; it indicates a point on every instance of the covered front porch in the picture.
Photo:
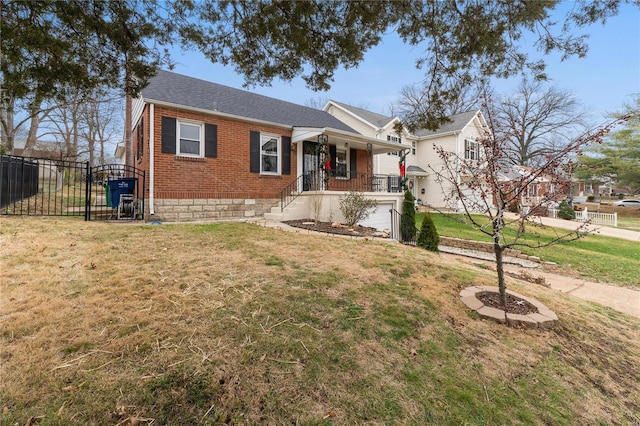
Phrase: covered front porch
(334, 160)
(332, 163)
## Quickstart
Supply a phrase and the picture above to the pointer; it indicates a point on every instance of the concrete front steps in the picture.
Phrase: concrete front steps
(296, 210)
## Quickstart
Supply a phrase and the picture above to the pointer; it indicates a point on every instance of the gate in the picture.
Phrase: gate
(45, 187)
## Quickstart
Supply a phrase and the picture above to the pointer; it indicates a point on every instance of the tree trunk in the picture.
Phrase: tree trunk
(502, 286)
(8, 132)
(33, 127)
(128, 146)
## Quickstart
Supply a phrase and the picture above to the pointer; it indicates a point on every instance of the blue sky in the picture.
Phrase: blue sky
(602, 82)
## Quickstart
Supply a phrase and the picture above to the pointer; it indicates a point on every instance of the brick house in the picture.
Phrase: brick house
(215, 152)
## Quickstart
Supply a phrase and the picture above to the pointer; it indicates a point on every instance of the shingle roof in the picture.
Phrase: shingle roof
(415, 169)
(457, 123)
(373, 118)
(192, 92)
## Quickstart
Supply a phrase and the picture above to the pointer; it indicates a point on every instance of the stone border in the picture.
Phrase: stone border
(544, 318)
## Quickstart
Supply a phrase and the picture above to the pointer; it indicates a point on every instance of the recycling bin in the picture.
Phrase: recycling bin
(117, 187)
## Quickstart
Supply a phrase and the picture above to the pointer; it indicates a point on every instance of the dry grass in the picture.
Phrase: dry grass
(232, 323)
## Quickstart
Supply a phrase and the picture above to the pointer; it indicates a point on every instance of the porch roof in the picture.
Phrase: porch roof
(416, 171)
(340, 137)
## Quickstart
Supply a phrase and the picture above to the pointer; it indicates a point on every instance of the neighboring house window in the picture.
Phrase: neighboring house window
(269, 154)
(471, 150)
(190, 141)
(413, 147)
(532, 190)
(397, 140)
(341, 163)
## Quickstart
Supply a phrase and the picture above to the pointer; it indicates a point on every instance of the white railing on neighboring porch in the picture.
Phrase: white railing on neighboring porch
(607, 219)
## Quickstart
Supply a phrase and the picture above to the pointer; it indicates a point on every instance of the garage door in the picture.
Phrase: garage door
(380, 219)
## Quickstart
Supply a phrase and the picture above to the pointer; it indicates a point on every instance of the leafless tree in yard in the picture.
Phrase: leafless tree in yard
(536, 121)
(414, 108)
(476, 185)
(84, 126)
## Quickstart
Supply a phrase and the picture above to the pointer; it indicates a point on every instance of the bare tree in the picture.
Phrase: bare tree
(475, 184)
(63, 124)
(537, 121)
(415, 109)
(85, 125)
(316, 103)
(27, 125)
(101, 124)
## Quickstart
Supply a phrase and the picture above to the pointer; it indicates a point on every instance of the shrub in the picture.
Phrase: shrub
(591, 199)
(566, 212)
(408, 218)
(428, 237)
(355, 207)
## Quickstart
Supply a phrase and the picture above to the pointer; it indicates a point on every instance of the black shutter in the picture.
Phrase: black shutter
(168, 135)
(333, 154)
(353, 163)
(254, 140)
(286, 155)
(210, 140)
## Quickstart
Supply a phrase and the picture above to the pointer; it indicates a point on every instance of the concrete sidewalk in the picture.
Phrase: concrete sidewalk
(607, 231)
(621, 299)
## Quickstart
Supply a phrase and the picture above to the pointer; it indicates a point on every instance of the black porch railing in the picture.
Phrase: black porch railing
(353, 181)
(290, 192)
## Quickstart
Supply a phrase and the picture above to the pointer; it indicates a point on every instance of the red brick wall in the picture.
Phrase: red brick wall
(226, 176)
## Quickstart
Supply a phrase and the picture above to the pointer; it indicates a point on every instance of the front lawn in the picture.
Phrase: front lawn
(232, 323)
(612, 260)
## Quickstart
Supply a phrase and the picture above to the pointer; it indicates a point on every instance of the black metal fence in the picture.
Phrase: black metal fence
(408, 238)
(19, 178)
(46, 187)
(116, 191)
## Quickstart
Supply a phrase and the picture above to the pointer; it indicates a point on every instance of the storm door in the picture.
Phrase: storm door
(310, 166)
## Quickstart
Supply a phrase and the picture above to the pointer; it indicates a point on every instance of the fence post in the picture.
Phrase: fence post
(615, 219)
(87, 193)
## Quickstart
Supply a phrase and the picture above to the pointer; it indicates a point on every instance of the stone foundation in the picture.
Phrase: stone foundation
(191, 210)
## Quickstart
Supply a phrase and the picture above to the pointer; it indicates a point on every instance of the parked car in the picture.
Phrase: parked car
(627, 203)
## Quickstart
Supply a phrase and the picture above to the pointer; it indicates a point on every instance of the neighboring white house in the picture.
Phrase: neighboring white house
(120, 153)
(459, 135)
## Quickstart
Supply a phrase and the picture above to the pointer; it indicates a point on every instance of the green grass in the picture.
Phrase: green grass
(608, 259)
(238, 324)
(630, 223)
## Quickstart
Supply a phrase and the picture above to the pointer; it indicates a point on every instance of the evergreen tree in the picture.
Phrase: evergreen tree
(428, 237)
(566, 212)
(408, 218)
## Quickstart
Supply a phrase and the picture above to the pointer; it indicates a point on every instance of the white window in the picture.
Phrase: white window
(341, 163)
(269, 154)
(190, 140)
(397, 140)
(471, 150)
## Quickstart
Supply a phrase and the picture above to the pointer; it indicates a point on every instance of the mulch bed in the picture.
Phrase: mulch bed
(362, 231)
(515, 305)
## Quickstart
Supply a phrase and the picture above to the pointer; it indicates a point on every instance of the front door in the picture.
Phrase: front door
(310, 166)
